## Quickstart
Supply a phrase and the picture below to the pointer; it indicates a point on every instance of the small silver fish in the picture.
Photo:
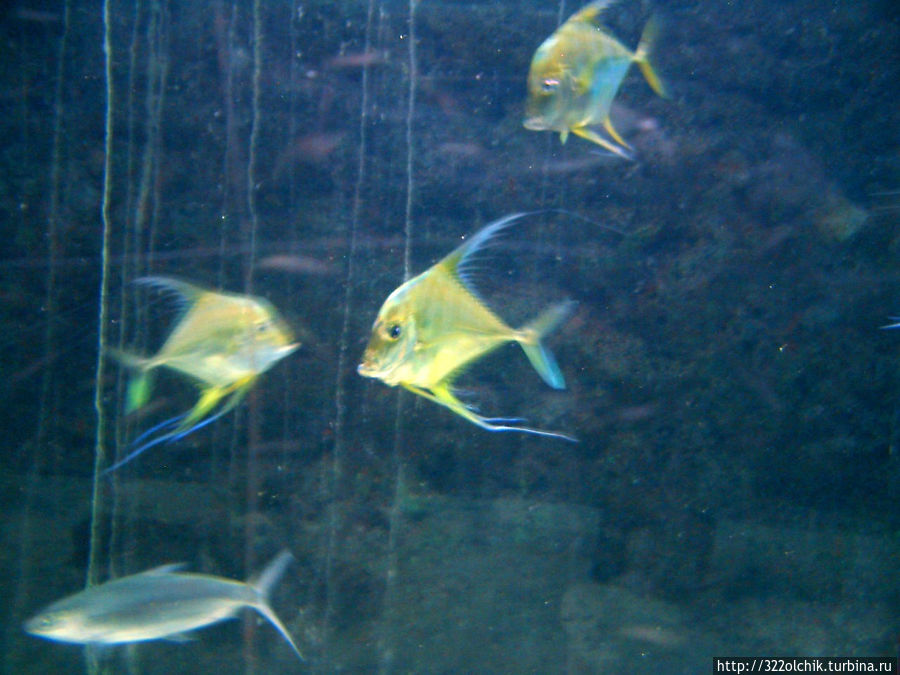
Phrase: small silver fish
(156, 604)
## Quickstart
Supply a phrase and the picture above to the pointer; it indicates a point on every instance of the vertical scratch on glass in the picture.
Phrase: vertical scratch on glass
(99, 446)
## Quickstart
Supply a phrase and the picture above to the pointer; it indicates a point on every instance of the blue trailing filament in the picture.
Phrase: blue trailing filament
(170, 437)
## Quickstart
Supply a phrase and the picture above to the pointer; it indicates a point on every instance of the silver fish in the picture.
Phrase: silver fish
(159, 603)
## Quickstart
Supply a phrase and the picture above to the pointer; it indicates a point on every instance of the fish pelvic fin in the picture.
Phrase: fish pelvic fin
(531, 336)
(262, 585)
(209, 399)
(642, 56)
(589, 134)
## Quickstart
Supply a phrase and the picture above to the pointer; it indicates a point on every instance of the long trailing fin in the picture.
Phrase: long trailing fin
(262, 585)
(589, 134)
(531, 338)
(149, 444)
(642, 56)
(444, 396)
(896, 324)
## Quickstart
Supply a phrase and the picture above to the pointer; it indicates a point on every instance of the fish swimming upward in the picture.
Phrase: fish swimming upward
(576, 73)
(223, 341)
(158, 604)
(434, 325)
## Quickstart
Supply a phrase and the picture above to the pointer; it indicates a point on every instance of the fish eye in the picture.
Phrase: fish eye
(549, 84)
(262, 327)
(394, 331)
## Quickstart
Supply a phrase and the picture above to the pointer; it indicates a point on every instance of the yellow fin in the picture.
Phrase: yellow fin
(642, 56)
(594, 137)
(138, 392)
(210, 398)
(590, 12)
(607, 124)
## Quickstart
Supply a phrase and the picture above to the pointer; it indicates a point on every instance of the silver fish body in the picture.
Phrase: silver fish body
(159, 603)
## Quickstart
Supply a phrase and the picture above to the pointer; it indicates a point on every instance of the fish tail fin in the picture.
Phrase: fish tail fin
(531, 336)
(642, 56)
(139, 387)
(262, 584)
(138, 391)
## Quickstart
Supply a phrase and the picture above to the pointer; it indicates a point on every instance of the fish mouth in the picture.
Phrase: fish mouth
(365, 369)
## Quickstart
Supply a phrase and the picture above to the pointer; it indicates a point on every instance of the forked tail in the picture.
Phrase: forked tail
(642, 56)
(262, 585)
(531, 338)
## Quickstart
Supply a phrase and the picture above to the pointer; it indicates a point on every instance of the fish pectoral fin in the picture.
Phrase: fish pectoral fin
(563, 136)
(594, 137)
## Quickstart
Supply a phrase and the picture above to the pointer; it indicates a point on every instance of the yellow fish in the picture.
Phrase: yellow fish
(223, 341)
(575, 74)
(434, 325)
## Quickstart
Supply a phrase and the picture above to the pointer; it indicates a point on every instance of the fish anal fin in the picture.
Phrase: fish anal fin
(210, 398)
(444, 396)
(607, 124)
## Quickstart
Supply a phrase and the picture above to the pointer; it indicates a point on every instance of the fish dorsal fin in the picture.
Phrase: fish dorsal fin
(589, 13)
(187, 293)
(455, 263)
(166, 569)
(264, 580)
